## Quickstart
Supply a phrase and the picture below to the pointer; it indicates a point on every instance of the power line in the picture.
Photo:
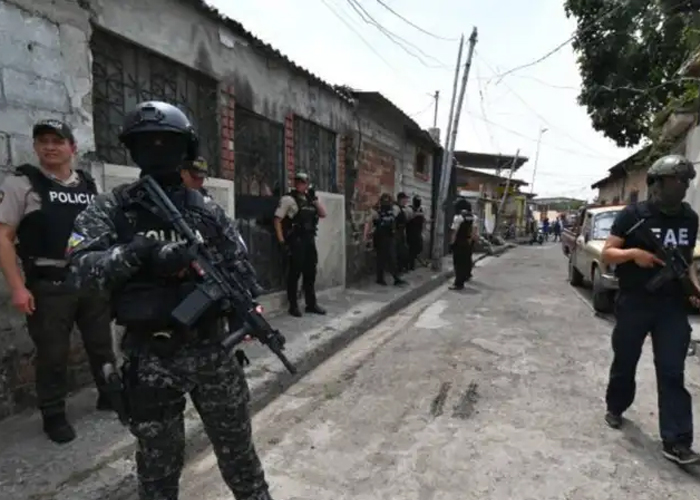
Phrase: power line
(438, 37)
(534, 139)
(364, 40)
(394, 38)
(564, 43)
(537, 114)
(492, 139)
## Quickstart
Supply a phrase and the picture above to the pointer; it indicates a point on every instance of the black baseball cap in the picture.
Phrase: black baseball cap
(198, 167)
(55, 126)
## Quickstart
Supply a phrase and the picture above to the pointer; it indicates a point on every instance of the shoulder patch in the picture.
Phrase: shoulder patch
(75, 240)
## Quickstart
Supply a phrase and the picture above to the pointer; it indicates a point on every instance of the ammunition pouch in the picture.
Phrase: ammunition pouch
(147, 308)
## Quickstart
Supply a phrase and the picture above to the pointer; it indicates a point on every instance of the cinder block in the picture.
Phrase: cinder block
(30, 57)
(4, 150)
(22, 26)
(31, 90)
(14, 120)
(21, 150)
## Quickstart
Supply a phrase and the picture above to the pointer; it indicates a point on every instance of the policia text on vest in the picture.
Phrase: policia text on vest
(39, 209)
(296, 225)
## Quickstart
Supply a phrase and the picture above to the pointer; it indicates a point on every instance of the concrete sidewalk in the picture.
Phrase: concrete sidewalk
(99, 463)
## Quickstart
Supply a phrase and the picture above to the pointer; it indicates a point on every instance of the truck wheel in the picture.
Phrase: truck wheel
(603, 299)
(575, 277)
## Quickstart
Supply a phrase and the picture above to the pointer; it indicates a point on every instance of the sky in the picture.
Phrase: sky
(331, 39)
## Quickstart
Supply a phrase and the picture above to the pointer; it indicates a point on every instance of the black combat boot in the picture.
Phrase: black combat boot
(104, 402)
(399, 282)
(613, 420)
(58, 429)
(680, 453)
(315, 309)
(294, 310)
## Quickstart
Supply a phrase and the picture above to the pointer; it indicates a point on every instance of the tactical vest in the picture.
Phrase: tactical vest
(401, 219)
(305, 222)
(45, 232)
(385, 224)
(415, 225)
(145, 302)
(464, 233)
(679, 228)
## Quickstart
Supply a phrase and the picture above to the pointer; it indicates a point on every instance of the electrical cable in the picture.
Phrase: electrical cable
(566, 42)
(437, 37)
(474, 115)
(394, 38)
(536, 113)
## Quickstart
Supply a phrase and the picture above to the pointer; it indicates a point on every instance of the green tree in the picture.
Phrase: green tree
(628, 53)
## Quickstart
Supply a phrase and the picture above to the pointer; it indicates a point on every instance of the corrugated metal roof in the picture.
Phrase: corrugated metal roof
(379, 100)
(267, 49)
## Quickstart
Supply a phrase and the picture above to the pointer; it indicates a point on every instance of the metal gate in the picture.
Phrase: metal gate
(260, 180)
(125, 74)
(315, 152)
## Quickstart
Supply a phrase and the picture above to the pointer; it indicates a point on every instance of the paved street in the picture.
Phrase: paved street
(493, 393)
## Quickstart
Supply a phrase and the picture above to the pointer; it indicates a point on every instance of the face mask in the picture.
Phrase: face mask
(668, 194)
(159, 154)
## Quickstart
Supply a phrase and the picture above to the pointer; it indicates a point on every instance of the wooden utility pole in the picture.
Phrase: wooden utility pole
(502, 205)
(448, 156)
(437, 98)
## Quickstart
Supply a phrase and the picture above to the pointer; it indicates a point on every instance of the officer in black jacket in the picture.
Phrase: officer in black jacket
(296, 224)
(414, 232)
(122, 246)
(663, 312)
(382, 222)
(464, 235)
(403, 217)
(37, 207)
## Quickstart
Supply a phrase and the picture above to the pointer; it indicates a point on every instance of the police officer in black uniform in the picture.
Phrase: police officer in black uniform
(663, 312)
(120, 245)
(414, 232)
(383, 222)
(464, 235)
(296, 225)
(400, 238)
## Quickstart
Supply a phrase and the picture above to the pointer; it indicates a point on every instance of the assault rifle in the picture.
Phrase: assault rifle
(675, 266)
(217, 286)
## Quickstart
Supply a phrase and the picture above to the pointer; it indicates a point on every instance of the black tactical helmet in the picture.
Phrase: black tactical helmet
(417, 201)
(461, 203)
(671, 166)
(385, 199)
(150, 118)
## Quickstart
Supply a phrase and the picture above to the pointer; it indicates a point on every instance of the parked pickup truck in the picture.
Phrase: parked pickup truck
(585, 262)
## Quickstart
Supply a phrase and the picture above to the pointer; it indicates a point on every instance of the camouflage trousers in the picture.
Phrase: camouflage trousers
(216, 384)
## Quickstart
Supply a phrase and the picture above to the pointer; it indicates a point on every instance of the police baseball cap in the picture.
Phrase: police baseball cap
(198, 167)
(53, 126)
(301, 176)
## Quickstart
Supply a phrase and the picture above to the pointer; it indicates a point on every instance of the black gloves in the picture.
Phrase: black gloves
(311, 193)
(170, 258)
(164, 258)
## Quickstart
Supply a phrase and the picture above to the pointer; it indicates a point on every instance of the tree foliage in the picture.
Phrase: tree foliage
(628, 53)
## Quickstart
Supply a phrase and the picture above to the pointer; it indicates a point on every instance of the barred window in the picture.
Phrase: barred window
(125, 74)
(315, 153)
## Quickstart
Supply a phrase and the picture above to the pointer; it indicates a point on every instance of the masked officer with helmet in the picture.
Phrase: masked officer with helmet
(663, 312)
(123, 247)
(37, 207)
(296, 224)
(383, 221)
(464, 234)
(414, 232)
